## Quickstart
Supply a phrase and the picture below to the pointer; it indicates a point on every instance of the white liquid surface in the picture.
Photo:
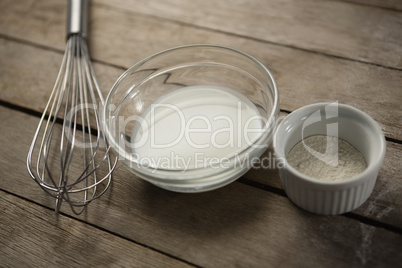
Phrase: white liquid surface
(196, 127)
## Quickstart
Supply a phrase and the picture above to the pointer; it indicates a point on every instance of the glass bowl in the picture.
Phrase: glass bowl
(192, 118)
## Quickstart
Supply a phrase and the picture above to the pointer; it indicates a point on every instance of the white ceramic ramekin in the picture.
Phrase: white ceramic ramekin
(332, 119)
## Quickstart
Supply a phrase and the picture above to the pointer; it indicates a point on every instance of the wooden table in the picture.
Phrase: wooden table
(346, 51)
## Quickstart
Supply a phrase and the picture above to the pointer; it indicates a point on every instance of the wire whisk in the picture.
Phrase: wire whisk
(69, 155)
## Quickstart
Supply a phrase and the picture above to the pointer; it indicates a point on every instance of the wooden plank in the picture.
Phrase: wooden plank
(41, 82)
(391, 4)
(33, 236)
(237, 225)
(383, 205)
(335, 28)
(23, 60)
(332, 27)
(44, 21)
(28, 76)
(303, 78)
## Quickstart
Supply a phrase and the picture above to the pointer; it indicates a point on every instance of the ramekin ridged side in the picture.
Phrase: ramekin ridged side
(327, 199)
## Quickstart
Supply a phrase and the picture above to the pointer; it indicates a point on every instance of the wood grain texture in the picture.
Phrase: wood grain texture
(346, 51)
(29, 74)
(237, 225)
(335, 28)
(33, 236)
(302, 77)
(384, 204)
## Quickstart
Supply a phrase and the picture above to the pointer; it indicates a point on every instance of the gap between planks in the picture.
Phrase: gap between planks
(296, 29)
(390, 126)
(243, 179)
(259, 40)
(184, 262)
(175, 203)
(38, 114)
(392, 5)
(53, 49)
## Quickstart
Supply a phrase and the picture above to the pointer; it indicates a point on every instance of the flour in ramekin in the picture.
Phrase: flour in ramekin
(326, 158)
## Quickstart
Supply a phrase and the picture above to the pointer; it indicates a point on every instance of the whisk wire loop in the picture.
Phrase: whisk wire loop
(74, 99)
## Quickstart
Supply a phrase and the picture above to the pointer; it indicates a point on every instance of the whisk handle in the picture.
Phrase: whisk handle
(77, 17)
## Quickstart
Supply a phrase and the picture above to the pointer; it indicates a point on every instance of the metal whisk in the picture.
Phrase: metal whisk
(68, 158)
